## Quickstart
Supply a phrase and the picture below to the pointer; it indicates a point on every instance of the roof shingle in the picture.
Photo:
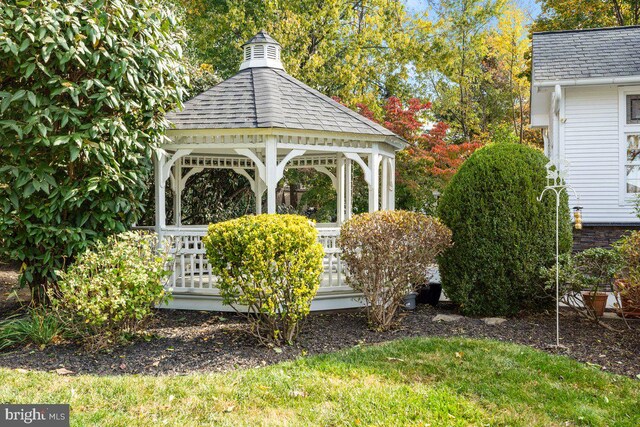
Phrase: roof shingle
(582, 54)
(270, 98)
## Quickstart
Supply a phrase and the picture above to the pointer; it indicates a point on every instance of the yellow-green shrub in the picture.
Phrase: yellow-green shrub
(111, 289)
(270, 264)
(388, 254)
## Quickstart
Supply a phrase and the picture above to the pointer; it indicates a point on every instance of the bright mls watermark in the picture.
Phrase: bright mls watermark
(34, 415)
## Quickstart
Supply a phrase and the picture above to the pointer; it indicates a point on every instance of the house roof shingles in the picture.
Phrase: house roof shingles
(270, 98)
(584, 54)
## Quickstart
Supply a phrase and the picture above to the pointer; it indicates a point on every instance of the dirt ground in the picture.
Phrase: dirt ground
(186, 341)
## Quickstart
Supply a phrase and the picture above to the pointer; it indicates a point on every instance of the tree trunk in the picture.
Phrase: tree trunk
(293, 195)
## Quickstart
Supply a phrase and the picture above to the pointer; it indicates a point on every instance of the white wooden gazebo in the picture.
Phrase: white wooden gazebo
(258, 123)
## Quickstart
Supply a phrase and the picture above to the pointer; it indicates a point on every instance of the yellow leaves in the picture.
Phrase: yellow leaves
(270, 263)
(208, 68)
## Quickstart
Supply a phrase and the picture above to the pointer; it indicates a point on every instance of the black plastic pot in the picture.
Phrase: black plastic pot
(429, 294)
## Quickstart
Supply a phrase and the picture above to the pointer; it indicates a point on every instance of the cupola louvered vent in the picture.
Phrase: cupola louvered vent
(272, 52)
(258, 52)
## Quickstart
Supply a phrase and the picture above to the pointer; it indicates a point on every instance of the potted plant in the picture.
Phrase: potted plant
(627, 285)
(597, 269)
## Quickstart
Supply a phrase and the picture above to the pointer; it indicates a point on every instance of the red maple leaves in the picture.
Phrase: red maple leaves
(428, 150)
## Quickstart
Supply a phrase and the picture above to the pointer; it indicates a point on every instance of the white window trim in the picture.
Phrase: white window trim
(625, 199)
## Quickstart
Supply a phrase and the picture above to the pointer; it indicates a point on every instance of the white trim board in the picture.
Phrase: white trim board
(624, 199)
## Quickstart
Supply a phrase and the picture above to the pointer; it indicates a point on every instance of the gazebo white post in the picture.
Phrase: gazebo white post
(391, 198)
(159, 162)
(385, 183)
(257, 190)
(340, 175)
(349, 189)
(374, 185)
(177, 193)
(271, 173)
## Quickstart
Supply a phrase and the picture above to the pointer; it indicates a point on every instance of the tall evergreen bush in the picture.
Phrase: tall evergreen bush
(502, 234)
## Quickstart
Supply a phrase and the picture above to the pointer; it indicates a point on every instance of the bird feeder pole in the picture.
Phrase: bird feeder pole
(557, 185)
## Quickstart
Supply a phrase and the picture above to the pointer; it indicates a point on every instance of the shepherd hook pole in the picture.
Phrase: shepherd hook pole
(558, 186)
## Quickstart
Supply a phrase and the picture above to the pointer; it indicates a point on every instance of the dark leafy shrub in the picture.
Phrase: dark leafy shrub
(502, 234)
(112, 288)
(84, 86)
(598, 268)
(38, 327)
(388, 254)
(271, 265)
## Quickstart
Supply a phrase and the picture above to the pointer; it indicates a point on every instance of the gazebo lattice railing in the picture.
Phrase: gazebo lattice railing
(192, 273)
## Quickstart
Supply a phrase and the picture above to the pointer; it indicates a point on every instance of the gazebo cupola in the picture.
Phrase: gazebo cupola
(258, 123)
(261, 51)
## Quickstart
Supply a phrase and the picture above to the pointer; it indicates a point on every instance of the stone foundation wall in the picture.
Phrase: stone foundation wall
(599, 236)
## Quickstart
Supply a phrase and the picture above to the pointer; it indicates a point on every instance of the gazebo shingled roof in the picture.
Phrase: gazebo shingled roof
(270, 98)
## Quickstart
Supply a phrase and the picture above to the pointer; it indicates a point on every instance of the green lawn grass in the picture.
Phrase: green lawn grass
(437, 382)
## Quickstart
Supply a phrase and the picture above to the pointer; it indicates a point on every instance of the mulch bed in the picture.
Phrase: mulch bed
(187, 342)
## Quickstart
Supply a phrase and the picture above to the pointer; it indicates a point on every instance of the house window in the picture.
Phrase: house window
(633, 109)
(633, 163)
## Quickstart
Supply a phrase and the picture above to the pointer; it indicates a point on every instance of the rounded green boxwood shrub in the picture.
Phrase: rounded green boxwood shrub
(271, 265)
(502, 234)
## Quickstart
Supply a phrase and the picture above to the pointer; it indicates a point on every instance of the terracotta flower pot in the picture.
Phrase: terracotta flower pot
(630, 300)
(597, 301)
(631, 308)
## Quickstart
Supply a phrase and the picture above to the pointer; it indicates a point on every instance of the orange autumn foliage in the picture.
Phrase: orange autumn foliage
(428, 151)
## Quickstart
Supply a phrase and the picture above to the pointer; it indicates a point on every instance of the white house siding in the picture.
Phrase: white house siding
(590, 142)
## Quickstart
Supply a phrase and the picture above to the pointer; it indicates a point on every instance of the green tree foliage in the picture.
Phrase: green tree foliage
(510, 75)
(455, 68)
(577, 14)
(357, 50)
(502, 234)
(83, 90)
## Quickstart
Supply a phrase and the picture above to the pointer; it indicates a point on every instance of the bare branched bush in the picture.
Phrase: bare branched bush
(388, 254)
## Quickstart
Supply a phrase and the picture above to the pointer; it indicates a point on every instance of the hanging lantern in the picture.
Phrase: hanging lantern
(577, 217)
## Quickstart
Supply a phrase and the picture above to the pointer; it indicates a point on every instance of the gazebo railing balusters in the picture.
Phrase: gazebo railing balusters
(191, 271)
